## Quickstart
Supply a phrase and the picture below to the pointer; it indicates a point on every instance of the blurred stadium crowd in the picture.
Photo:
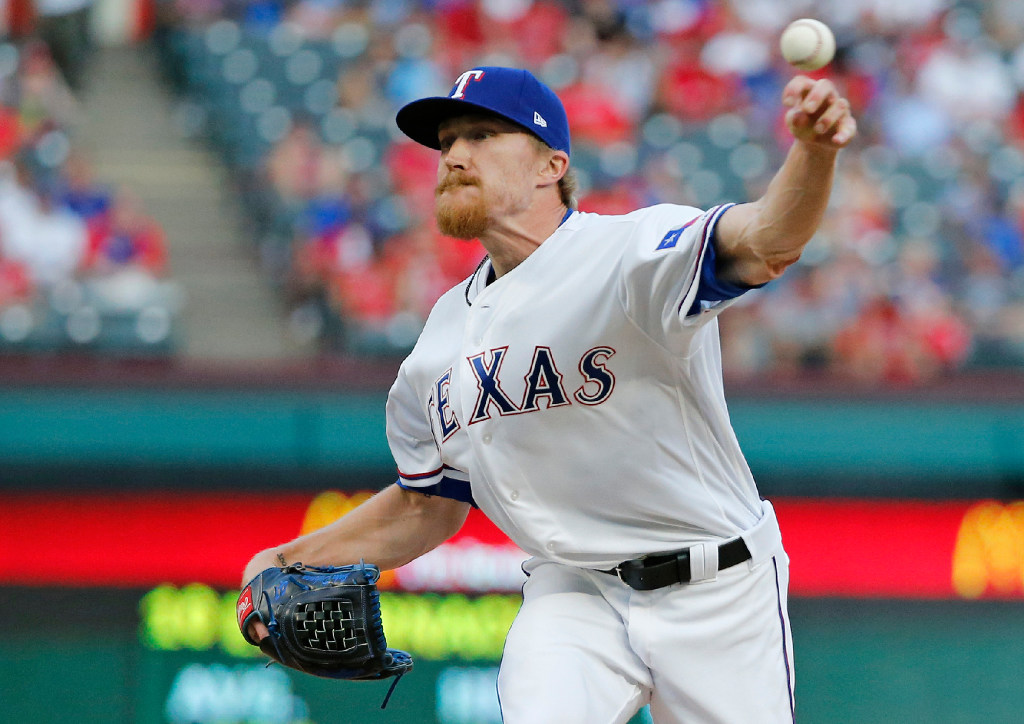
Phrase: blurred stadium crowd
(918, 270)
(82, 266)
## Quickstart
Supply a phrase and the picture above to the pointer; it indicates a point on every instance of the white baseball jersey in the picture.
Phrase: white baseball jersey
(578, 398)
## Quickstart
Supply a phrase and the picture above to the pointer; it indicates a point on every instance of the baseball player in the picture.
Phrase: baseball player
(572, 390)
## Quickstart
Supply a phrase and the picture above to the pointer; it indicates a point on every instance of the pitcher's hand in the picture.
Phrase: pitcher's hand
(817, 114)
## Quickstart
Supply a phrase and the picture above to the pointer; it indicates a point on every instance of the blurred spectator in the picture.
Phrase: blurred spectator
(314, 18)
(300, 168)
(968, 81)
(81, 192)
(425, 265)
(64, 26)
(326, 252)
(131, 239)
(882, 345)
(359, 93)
(364, 295)
(43, 99)
(125, 268)
(913, 125)
(986, 291)
(49, 240)
(595, 114)
(528, 31)
(15, 283)
(621, 64)
(737, 50)
(419, 272)
(10, 132)
(191, 13)
(413, 172)
(692, 92)
(619, 199)
(413, 73)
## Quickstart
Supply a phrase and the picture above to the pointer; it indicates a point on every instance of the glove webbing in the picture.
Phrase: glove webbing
(272, 628)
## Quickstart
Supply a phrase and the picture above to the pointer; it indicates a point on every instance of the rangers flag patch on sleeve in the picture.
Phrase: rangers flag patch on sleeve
(672, 237)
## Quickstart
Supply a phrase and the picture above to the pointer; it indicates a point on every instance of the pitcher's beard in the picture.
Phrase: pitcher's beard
(461, 220)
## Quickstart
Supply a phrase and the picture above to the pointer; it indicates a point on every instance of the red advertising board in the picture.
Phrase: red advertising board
(850, 548)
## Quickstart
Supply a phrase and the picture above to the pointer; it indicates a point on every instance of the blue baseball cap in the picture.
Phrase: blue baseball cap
(515, 95)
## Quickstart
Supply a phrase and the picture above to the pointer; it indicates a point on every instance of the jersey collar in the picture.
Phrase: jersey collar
(484, 273)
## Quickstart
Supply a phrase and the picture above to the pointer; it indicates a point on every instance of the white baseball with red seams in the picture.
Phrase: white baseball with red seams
(581, 401)
(807, 44)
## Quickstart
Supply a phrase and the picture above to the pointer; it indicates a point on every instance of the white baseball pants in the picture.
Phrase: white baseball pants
(587, 649)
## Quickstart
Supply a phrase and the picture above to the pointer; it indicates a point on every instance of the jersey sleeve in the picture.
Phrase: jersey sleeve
(669, 285)
(410, 436)
(712, 290)
(414, 448)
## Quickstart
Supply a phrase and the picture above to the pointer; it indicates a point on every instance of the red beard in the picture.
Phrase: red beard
(466, 219)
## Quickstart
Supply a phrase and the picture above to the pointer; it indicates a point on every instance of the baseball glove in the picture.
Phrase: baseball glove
(322, 621)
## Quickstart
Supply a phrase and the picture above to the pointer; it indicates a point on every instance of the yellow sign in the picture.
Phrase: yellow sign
(989, 553)
(432, 626)
(328, 506)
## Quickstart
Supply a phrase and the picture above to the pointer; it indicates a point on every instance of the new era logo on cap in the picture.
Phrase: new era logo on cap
(514, 94)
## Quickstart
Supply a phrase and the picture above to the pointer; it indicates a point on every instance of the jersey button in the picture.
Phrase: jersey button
(550, 546)
(486, 438)
(514, 495)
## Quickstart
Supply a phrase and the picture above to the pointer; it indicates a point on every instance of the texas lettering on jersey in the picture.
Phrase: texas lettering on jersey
(545, 386)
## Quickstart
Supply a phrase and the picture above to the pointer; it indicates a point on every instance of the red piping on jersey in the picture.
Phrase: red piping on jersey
(421, 476)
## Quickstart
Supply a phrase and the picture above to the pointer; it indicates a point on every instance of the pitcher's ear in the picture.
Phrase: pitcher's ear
(555, 167)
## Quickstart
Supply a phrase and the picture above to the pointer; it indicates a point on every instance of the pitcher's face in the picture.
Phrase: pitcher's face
(486, 172)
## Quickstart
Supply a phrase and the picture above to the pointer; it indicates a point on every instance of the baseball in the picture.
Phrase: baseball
(807, 44)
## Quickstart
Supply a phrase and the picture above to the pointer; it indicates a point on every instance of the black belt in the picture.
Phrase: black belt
(664, 569)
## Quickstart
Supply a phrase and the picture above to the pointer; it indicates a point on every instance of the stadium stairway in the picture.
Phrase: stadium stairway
(128, 130)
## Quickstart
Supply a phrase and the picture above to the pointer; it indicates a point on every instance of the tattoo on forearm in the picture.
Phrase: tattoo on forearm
(281, 561)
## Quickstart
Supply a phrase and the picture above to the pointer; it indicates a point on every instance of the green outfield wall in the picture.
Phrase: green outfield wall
(857, 662)
(815, 445)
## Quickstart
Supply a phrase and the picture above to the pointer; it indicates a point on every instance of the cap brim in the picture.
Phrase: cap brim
(420, 119)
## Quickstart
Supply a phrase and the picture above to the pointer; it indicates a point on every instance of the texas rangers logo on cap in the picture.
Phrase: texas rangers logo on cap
(515, 95)
(459, 90)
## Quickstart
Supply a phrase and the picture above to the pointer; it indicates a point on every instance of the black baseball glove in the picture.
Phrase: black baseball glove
(322, 621)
